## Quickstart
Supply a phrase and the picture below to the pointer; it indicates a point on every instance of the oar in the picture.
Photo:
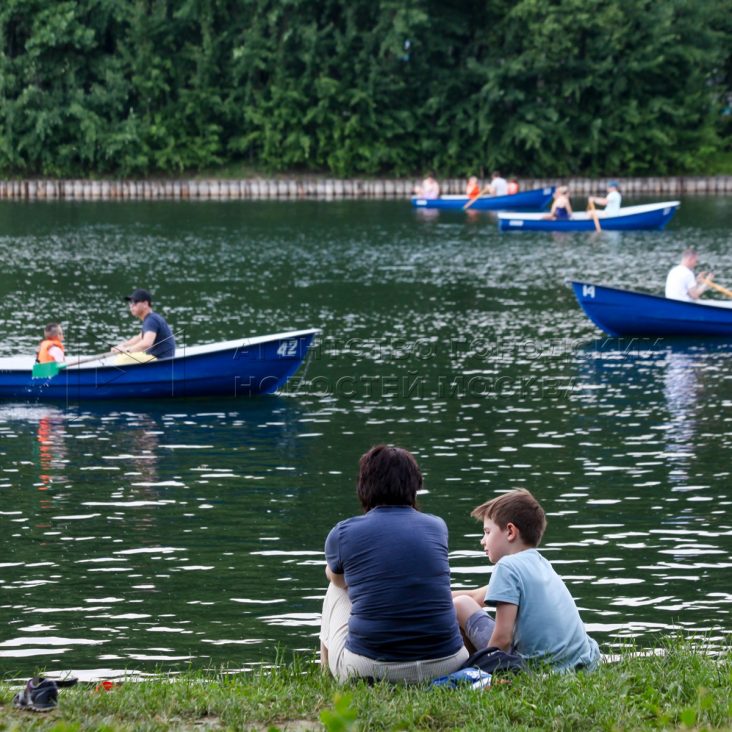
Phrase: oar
(473, 200)
(50, 369)
(593, 214)
(717, 287)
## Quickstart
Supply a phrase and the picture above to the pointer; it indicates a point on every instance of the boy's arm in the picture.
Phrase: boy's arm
(477, 594)
(505, 621)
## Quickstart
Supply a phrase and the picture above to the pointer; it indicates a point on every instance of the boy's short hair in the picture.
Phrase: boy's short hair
(52, 330)
(519, 508)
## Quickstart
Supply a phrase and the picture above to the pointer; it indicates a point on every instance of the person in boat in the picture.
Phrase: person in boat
(498, 185)
(513, 187)
(388, 611)
(155, 338)
(472, 189)
(612, 201)
(51, 348)
(561, 209)
(535, 615)
(682, 283)
(429, 188)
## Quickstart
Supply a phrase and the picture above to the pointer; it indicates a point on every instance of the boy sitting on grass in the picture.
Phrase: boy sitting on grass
(535, 615)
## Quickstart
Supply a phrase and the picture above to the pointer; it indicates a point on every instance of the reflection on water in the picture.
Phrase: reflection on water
(139, 535)
(682, 392)
(137, 509)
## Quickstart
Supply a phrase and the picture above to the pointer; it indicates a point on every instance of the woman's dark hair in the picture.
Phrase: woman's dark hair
(388, 476)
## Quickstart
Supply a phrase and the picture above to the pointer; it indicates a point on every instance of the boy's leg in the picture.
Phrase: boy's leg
(475, 624)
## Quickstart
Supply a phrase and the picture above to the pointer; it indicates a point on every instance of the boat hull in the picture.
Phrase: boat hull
(246, 367)
(623, 313)
(633, 218)
(536, 199)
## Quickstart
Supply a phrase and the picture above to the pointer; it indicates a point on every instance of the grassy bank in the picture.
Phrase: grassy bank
(682, 689)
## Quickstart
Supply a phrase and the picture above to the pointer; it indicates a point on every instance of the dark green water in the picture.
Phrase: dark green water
(161, 534)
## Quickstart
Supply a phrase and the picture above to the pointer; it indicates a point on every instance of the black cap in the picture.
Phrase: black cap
(139, 295)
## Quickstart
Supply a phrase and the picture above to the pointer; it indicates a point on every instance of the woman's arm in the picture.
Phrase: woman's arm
(505, 622)
(339, 580)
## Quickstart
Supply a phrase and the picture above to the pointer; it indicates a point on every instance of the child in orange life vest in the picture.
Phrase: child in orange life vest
(472, 189)
(52, 346)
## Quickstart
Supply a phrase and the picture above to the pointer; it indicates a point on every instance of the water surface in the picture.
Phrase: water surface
(166, 534)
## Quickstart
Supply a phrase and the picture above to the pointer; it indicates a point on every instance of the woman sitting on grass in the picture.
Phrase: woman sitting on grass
(388, 612)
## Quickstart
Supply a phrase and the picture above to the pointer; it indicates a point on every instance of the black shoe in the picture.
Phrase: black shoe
(41, 695)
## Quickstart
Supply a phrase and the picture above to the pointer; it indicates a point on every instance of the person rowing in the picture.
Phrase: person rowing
(155, 338)
(612, 201)
(682, 283)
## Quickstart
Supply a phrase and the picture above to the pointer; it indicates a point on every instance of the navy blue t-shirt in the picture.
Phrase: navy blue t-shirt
(395, 563)
(164, 344)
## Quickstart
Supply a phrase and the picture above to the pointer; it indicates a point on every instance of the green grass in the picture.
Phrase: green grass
(682, 689)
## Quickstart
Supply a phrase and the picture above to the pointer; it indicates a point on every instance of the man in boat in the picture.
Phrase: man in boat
(498, 185)
(612, 201)
(430, 188)
(51, 347)
(681, 283)
(155, 337)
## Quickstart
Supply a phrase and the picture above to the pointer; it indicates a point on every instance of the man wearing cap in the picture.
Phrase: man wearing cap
(612, 201)
(155, 338)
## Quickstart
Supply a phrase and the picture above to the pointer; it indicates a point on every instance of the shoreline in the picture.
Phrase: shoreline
(681, 686)
(319, 188)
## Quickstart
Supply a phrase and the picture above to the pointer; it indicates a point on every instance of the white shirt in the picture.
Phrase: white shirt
(500, 186)
(614, 199)
(678, 283)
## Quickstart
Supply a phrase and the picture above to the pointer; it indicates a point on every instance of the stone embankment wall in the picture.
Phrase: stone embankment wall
(323, 188)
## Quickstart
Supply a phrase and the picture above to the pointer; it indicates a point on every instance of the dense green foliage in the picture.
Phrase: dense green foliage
(535, 87)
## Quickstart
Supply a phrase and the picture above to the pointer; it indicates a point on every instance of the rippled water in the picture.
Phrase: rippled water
(161, 534)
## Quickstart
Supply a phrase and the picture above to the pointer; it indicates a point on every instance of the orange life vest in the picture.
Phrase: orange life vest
(473, 191)
(43, 355)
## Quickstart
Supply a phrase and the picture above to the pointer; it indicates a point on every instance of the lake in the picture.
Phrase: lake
(160, 535)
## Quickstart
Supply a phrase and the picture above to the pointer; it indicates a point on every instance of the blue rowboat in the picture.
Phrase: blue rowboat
(247, 366)
(622, 313)
(533, 200)
(630, 218)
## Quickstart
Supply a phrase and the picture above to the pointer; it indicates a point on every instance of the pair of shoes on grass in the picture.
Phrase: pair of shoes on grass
(40, 694)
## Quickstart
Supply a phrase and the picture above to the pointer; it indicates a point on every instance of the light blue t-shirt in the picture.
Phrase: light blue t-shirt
(548, 625)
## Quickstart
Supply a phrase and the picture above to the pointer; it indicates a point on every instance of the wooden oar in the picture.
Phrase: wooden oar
(50, 369)
(717, 287)
(593, 214)
(487, 189)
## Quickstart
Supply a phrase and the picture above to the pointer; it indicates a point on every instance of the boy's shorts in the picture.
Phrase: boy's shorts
(479, 629)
